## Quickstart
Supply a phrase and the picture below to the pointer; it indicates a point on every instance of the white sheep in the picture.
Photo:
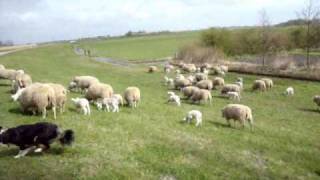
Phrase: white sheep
(174, 98)
(82, 83)
(289, 91)
(237, 112)
(201, 95)
(107, 103)
(233, 95)
(82, 104)
(119, 98)
(99, 90)
(194, 114)
(132, 96)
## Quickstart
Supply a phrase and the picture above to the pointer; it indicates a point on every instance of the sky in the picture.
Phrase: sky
(30, 21)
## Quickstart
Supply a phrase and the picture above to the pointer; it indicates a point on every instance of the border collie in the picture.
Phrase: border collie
(37, 137)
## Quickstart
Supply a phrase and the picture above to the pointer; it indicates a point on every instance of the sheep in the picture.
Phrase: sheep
(107, 103)
(237, 112)
(201, 95)
(168, 68)
(218, 71)
(289, 91)
(206, 71)
(119, 98)
(217, 81)
(316, 100)
(191, 78)
(193, 114)
(205, 84)
(38, 97)
(61, 95)
(234, 95)
(99, 90)
(230, 88)
(132, 96)
(201, 76)
(21, 81)
(190, 68)
(168, 81)
(259, 85)
(152, 69)
(178, 71)
(224, 68)
(268, 82)
(198, 70)
(181, 83)
(206, 66)
(2, 67)
(82, 82)
(174, 98)
(239, 82)
(179, 77)
(188, 91)
(10, 73)
(82, 104)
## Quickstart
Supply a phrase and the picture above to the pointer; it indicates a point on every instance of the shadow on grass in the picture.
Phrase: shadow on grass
(222, 125)
(1, 84)
(14, 151)
(16, 111)
(73, 109)
(309, 110)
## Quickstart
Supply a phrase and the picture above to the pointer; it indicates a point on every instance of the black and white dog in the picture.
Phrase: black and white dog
(37, 137)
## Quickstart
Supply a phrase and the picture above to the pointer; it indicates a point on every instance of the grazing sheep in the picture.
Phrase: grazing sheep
(201, 95)
(268, 82)
(21, 81)
(205, 84)
(234, 95)
(174, 98)
(194, 114)
(190, 68)
(82, 82)
(237, 112)
(152, 69)
(168, 68)
(99, 90)
(168, 81)
(119, 98)
(179, 77)
(2, 67)
(38, 97)
(181, 83)
(259, 85)
(289, 91)
(316, 99)
(10, 73)
(61, 95)
(201, 76)
(217, 81)
(82, 104)
(188, 91)
(107, 103)
(216, 70)
(132, 96)
(230, 88)
(191, 78)
(206, 66)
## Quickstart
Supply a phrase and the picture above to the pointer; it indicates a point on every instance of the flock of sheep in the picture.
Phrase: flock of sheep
(196, 87)
(38, 97)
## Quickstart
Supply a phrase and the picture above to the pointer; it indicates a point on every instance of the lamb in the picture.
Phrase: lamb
(61, 95)
(21, 81)
(268, 82)
(201, 76)
(181, 83)
(289, 91)
(99, 90)
(174, 98)
(82, 82)
(259, 85)
(316, 99)
(194, 114)
(205, 84)
(168, 81)
(217, 81)
(237, 112)
(119, 98)
(152, 69)
(82, 104)
(230, 88)
(234, 95)
(202, 95)
(132, 96)
(107, 103)
(38, 97)
(10, 73)
(188, 91)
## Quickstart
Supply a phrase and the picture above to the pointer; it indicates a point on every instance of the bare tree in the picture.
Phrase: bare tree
(310, 14)
(265, 34)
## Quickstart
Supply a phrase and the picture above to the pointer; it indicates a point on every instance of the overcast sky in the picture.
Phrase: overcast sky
(26, 21)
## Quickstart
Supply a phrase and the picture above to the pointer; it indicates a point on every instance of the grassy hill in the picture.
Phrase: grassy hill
(141, 47)
(151, 142)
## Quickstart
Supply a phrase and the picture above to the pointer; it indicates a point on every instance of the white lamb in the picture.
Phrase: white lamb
(289, 91)
(174, 98)
(233, 95)
(107, 103)
(82, 104)
(194, 114)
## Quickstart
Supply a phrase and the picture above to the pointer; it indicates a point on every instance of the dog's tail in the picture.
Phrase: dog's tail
(67, 137)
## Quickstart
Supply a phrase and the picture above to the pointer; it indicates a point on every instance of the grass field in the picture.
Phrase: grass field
(151, 142)
(141, 47)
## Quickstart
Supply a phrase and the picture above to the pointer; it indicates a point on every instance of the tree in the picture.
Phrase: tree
(265, 34)
(310, 14)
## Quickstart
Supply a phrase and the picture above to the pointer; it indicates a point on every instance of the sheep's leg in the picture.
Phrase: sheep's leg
(23, 152)
(88, 110)
(198, 122)
(84, 110)
(44, 113)
(54, 112)
(228, 122)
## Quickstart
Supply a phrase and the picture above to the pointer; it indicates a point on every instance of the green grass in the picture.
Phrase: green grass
(142, 47)
(150, 142)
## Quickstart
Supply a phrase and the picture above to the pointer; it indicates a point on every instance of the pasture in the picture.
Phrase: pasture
(151, 142)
